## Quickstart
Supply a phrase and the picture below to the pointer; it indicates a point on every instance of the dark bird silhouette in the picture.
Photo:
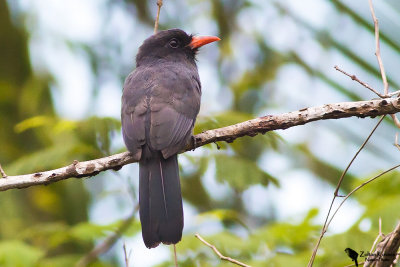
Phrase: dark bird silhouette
(352, 254)
(160, 103)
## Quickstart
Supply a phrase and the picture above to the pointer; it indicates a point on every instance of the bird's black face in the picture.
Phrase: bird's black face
(173, 45)
(167, 44)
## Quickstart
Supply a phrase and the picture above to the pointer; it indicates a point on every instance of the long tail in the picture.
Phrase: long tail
(160, 200)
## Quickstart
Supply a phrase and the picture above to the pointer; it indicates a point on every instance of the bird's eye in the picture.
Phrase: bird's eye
(174, 43)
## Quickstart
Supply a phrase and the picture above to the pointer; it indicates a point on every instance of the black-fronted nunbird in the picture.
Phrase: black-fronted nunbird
(160, 103)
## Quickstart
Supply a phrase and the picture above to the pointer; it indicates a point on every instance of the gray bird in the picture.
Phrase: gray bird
(160, 103)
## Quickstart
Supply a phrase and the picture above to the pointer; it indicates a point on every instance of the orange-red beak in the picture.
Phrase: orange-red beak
(199, 41)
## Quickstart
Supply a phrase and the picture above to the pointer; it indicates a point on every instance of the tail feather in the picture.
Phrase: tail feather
(161, 212)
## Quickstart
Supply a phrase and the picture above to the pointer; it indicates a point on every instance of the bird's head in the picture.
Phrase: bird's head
(173, 44)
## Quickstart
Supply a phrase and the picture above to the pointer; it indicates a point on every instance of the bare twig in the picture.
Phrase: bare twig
(379, 58)
(355, 155)
(2, 172)
(395, 120)
(126, 255)
(346, 197)
(159, 4)
(378, 49)
(175, 258)
(366, 85)
(380, 235)
(252, 127)
(222, 257)
(396, 141)
(326, 223)
(106, 245)
(357, 188)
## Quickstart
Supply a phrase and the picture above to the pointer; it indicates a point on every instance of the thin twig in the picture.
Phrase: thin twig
(175, 258)
(222, 257)
(380, 235)
(378, 49)
(394, 93)
(126, 255)
(159, 4)
(395, 120)
(358, 187)
(366, 85)
(380, 61)
(326, 224)
(2, 172)
(355, 155)
(396, 141)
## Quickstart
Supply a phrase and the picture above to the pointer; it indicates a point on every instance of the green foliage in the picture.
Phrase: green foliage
(275, 243)
(11, 251)
(240, 173)
(192, 187)
(222, 215)
(87, 231)
(60, 261)
(221, 120)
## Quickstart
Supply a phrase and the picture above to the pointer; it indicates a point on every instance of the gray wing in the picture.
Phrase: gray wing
(167, 98)
(170, 131)
(133, 112)
(175, 104)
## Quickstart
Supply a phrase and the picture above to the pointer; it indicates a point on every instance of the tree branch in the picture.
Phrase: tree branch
(361, 109)
(386, 250)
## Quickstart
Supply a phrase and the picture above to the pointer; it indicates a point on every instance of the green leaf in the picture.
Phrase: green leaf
(47, 158)
(47, 235)
(222, 215)
(134, 228)
(221, 120)
(98, 132)
(50, 157)
(240, 173)
(69, 260)
(295, 237)
(33, 122)
(191, 183)
(60, 261)
(16, 253)
(89, 231)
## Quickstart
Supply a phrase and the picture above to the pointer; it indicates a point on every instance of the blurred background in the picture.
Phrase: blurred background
(261, 200)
